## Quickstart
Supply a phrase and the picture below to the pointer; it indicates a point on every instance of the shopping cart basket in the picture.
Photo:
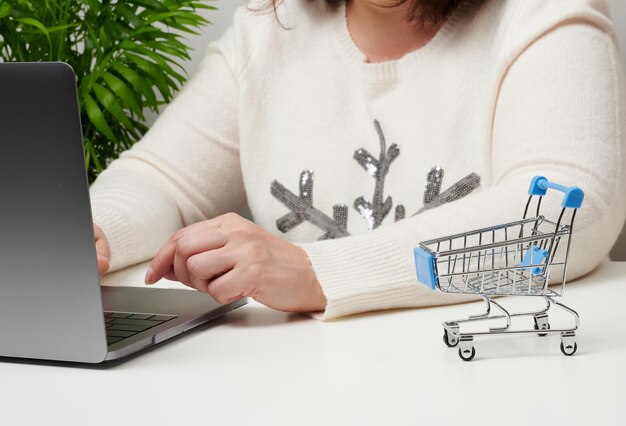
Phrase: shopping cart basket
(513, 259)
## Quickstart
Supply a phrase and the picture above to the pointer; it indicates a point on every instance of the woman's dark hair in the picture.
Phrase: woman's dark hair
(420, 11)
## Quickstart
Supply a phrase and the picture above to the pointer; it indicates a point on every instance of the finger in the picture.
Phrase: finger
(161, 263)
(102, 248)
(170, 275)
(103, 265)
(206, 266)
(227, 288)
(97, 231)
(164, 259)
(102, 245)
(193, 243)
(215, 222)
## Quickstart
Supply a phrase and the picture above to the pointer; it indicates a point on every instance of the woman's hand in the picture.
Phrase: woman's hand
(102, 249)
(230, 257)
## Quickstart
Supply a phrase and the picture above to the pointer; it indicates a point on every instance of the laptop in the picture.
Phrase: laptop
(52, 306)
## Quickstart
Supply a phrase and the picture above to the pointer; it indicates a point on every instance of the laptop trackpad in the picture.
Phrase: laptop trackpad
(157, 301)
(113, 297)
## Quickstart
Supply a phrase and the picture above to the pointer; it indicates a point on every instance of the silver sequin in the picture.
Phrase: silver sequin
(374, 212)
(302, 209)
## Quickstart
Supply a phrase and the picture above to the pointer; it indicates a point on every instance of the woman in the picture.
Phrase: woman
(329, 118)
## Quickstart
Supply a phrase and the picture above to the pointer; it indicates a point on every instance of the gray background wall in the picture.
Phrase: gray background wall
(222, 19)
(618, 11)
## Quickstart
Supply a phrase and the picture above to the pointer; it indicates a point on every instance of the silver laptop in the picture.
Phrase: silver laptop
(51, 304)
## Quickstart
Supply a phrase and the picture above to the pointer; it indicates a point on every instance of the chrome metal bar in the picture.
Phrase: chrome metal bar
(571, 311)
(506, 313)
(476, 231)
(516, 268)
(569, 240)
(480, 240)
(539, 205)
(517, 241)
(486, 314)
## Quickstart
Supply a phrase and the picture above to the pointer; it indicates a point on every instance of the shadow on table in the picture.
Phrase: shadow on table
(261, 316)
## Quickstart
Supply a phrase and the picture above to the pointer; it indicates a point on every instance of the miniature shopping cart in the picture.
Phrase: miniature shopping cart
(513, 259)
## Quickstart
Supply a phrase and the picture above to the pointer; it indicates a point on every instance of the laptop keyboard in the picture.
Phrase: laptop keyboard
(122, 325)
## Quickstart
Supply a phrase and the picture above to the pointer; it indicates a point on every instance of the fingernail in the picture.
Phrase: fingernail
(149, 276)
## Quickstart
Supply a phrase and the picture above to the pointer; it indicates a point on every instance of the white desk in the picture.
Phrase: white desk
(258, 366)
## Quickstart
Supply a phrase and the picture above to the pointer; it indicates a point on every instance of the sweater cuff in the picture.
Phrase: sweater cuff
(118, 233)
(362, 273)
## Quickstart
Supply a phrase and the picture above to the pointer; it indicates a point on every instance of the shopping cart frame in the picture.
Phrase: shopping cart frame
(529, 259)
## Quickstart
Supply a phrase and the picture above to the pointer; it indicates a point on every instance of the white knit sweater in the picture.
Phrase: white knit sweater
(506, 90)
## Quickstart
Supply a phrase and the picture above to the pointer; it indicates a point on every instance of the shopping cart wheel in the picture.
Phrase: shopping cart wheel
(569, 350)
(568, 343)
(450, 341)
(545, 327)
(466, 355)
(541, 323)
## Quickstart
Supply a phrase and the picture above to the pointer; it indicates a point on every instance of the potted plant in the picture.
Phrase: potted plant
(127, 56)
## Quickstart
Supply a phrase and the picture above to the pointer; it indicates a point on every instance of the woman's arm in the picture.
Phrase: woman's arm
(560, 113)
(184, 170)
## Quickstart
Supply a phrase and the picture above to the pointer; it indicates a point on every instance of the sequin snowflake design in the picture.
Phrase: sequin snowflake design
(375, 211)
(433, 197)
(301, 208)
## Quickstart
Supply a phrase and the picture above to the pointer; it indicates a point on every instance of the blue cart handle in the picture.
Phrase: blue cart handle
(573, 195)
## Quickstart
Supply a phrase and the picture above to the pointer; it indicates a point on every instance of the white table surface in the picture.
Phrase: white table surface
(258, 366)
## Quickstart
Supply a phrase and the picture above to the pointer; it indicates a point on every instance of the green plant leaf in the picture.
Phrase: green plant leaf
(123, 92)
(154, 73)
(35, 23)
(129, 15)
(200, 5)
(53, 5)
(97, 117)
(157, 58)
(61, 28)
(5, 9)
(87, 154)
(160, 17)
(148, 4)
(182, 28)
(104, 38)
(167, 48)
(92, 4)
(137, 82)
(93, 155)
(109, 102)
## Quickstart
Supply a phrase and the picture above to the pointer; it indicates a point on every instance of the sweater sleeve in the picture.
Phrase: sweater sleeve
(559, 113)
(184, 170)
